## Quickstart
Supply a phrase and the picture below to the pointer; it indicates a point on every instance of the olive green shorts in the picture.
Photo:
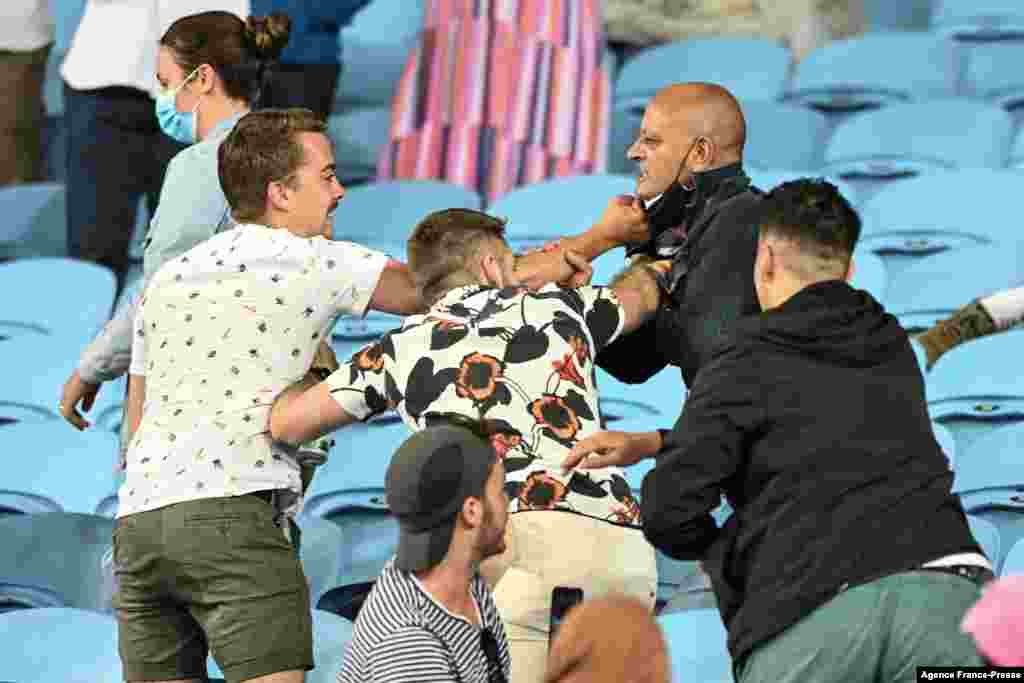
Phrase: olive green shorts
(215, 575)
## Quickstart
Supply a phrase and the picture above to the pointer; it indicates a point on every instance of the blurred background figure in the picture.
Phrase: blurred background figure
(613, 639)
(997, 622)
(116, 153)
(310, 66)
(498, 95)
(26, 36)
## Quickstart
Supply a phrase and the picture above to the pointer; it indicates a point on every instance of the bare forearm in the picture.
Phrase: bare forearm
(638, 291)
(284, 405)
(539, 268)
(136, 400)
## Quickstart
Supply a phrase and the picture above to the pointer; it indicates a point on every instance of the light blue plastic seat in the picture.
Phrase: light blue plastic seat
(331, 637)
(902, 141)
(349, 491)
(359, 134)
(375, 48)
(976, 392)
(559, 207)
(906, 15)
(987, 536)
(979, 20)
(697, 644)
(34, 369)
(765, 179)
(905, 222)
(55, 297)
(56, 560)
(783, 135)
(994, 460)
(869, 274)
(51, 467)
(932, 288)
(318, 551)
(947, 442)
(1014, 563)
(1017, 153)
(993, 73)
(34, 222)
(59, 644)
(748, 67)
(389, 211)
(875, 70)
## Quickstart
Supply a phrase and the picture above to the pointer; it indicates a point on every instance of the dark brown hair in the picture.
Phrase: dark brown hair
(262, 148)
(442, 245)
(239, 51)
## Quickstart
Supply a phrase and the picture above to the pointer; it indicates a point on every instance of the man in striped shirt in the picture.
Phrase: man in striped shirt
(430, 617)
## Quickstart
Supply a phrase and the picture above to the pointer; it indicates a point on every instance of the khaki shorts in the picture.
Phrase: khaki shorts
(546, 549)
(217, 573)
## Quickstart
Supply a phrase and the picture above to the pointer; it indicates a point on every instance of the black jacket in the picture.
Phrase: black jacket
(812, 420)
(718, 287)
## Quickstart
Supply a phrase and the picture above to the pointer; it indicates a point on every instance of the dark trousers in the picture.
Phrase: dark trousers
(310, 86)
(116, 154)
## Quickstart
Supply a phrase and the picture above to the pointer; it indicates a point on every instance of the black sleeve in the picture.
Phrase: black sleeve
(633, 358)
(704, 450)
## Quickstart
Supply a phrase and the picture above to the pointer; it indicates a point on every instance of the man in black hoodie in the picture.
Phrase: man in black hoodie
(847, 558)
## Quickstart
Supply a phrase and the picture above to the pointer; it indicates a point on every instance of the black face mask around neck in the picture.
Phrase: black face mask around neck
(675, 204)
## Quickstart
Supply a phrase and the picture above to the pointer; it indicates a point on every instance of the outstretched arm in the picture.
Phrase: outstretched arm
(305, 411)
(396, 291)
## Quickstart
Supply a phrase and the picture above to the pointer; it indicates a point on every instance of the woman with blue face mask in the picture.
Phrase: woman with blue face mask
(211, 68)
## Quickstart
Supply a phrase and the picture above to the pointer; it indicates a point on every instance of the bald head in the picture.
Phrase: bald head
(709, 110)
(613, 639)
(687, 128)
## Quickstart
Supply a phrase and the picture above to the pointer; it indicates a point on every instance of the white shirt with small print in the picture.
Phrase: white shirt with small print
(220, 332)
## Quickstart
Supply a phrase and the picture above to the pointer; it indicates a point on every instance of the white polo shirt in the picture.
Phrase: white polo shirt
(117, 40)
(220, 332)
(25, 25)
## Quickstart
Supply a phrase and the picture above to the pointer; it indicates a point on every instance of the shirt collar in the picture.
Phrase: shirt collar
(225, 125)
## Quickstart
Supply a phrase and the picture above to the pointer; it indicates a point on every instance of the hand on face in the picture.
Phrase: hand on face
(624, 220)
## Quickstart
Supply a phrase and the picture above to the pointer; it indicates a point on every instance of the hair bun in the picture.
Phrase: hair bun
(266, 37)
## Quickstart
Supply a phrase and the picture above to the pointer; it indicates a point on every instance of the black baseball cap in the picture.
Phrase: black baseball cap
(430, 476)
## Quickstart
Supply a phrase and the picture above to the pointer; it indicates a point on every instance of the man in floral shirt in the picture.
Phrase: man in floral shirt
(523, 361)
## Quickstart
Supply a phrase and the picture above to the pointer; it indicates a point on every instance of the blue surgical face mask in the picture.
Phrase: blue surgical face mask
(178, 125)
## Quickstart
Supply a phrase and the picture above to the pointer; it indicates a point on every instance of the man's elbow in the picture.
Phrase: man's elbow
(684, 541)
(285, 429)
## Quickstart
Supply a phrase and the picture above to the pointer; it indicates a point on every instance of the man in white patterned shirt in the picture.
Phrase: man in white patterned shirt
(522, 361)
(204, 547)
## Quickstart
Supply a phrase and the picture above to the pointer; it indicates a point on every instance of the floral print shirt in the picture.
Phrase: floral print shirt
(220, 332)
(523, 360)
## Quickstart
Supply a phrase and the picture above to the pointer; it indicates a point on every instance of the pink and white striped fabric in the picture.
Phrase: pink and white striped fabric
(502, 93)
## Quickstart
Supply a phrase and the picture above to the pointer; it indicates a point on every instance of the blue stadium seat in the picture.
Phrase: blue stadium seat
(905, 140)
(975, 391)
(559, 207)
(784, 136)
(979, 20)
(56, 560)
(993, 73)
(765, 179)
(34, 370)
(374, 49)
(869, 274)
(907, 221)
(359, 135)
(750, 68)
(318, 550)
(948, 443)
(931, 289)
(1014, 562)
(34, 221)
(1017, 153)
(61, 298)
(349, 491)
(331, 636)
(388, 212)
(54, 468)
(697, 646)
(987, 536)
(906, 15)
(653, 404)
(59, 644)
(874, 70)
(993, 460)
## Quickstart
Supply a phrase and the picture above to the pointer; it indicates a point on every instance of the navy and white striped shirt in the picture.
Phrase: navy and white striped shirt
(403, 635)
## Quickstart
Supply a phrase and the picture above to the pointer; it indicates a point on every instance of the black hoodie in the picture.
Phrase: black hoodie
(811, 419)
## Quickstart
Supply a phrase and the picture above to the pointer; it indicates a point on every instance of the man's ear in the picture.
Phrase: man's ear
(491, 269)
(204, 79)
(278, 195)
(852, 270)
(704, 153)
(472, 512)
